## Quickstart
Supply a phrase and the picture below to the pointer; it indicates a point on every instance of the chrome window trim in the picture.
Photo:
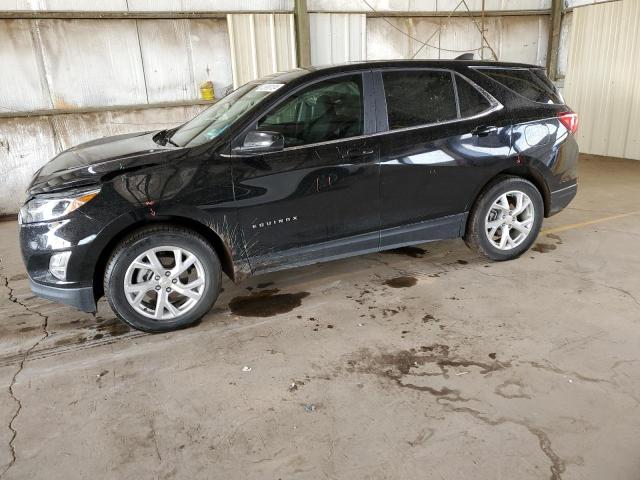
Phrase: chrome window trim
(495, 106)
(377, 134)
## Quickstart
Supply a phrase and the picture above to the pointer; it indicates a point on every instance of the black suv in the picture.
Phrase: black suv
(299, 167)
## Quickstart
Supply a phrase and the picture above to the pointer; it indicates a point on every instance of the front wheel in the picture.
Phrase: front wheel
(162, 278)
(505, 219)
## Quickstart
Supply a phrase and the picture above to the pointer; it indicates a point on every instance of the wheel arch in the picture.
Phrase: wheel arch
(214, 239)
(525, 172)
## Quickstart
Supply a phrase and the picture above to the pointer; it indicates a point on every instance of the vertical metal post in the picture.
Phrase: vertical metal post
(303, 43)
(554, 38)
(482, 34)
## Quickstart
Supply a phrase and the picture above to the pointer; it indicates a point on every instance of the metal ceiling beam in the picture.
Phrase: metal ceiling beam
(54, 14)
(457, 13)
(58, 14)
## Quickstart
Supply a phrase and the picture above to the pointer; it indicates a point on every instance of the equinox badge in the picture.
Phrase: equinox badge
(277, 221)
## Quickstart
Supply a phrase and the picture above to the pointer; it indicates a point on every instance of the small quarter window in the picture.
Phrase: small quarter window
(472, 102)
(418, 97)
(530, 83)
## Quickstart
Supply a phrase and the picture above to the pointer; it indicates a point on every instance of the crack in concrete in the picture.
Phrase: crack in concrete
(558, 465)
(554, 369)
(14, 397)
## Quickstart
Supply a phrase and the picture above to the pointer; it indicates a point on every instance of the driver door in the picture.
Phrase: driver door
(310, 200)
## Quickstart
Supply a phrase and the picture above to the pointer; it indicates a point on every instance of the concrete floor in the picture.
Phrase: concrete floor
(463, 369)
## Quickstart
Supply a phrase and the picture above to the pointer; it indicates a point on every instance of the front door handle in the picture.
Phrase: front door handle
(484, 130)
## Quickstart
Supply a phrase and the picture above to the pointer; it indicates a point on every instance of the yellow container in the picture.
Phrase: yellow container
(206, 91)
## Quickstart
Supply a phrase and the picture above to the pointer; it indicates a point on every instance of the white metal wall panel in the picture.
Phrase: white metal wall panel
(602, 78)
(22, 82)
(210, 55)
(211, 5)
(150, 5)
(514, 38)
(77, 5)
(70, 64)
(347, 34)
(260, 44)
(582, 3)
(27, 143)
(423, 5)
(285, 42)
(521, 39)
(164, 45)
(386, 42)
(459, 34)
(92, 62)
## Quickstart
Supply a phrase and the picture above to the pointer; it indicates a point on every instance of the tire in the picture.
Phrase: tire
(131, 273)
(489, 212)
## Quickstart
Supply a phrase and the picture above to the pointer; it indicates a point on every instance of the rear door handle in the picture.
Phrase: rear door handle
(484, 130)
(357, 152)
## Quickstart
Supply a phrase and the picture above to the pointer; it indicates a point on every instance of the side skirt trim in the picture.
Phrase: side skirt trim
(442, 228)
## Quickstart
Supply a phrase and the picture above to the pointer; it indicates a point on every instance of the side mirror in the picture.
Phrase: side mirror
(261, 142)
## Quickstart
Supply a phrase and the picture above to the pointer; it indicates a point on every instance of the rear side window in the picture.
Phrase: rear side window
(530, 83)
(418, 97)
(472, 102)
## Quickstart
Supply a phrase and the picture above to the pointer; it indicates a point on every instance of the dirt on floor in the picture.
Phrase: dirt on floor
(425, 362)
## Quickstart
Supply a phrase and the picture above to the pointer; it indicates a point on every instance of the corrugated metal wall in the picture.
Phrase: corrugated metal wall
(514, 38)
(424, 5)
(602, 79)
(69, 64)
(261, 44)
(338, 37)
(149, 5)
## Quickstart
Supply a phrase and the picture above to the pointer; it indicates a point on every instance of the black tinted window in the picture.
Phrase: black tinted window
(327, 110)
(472, 102)
(418, 97)
(529, 83)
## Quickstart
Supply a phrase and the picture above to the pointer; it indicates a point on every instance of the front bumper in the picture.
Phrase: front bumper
(81, 298)
(39, 241)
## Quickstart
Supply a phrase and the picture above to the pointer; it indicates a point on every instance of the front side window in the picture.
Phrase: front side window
(327, 110)
(418, 97)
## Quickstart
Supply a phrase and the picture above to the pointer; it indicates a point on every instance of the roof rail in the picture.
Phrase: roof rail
(464, 56)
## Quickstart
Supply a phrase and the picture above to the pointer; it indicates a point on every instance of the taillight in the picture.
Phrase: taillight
(569, 120)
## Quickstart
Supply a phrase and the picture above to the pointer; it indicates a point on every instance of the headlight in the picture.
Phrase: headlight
(49, 207)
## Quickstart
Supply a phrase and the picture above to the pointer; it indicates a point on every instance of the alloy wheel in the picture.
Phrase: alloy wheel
(164, 283)
(509, 220)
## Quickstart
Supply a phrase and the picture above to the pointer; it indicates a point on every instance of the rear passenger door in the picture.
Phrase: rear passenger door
(438, 145)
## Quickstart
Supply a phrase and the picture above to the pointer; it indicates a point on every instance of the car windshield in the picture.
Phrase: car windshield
(210, 123)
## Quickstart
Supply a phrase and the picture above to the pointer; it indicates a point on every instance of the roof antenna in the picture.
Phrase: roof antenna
(464, 56)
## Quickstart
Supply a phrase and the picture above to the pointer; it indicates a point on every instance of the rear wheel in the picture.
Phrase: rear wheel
(505, 219)
(162, 278)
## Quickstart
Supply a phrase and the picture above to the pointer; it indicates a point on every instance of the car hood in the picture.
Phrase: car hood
(89, 163)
